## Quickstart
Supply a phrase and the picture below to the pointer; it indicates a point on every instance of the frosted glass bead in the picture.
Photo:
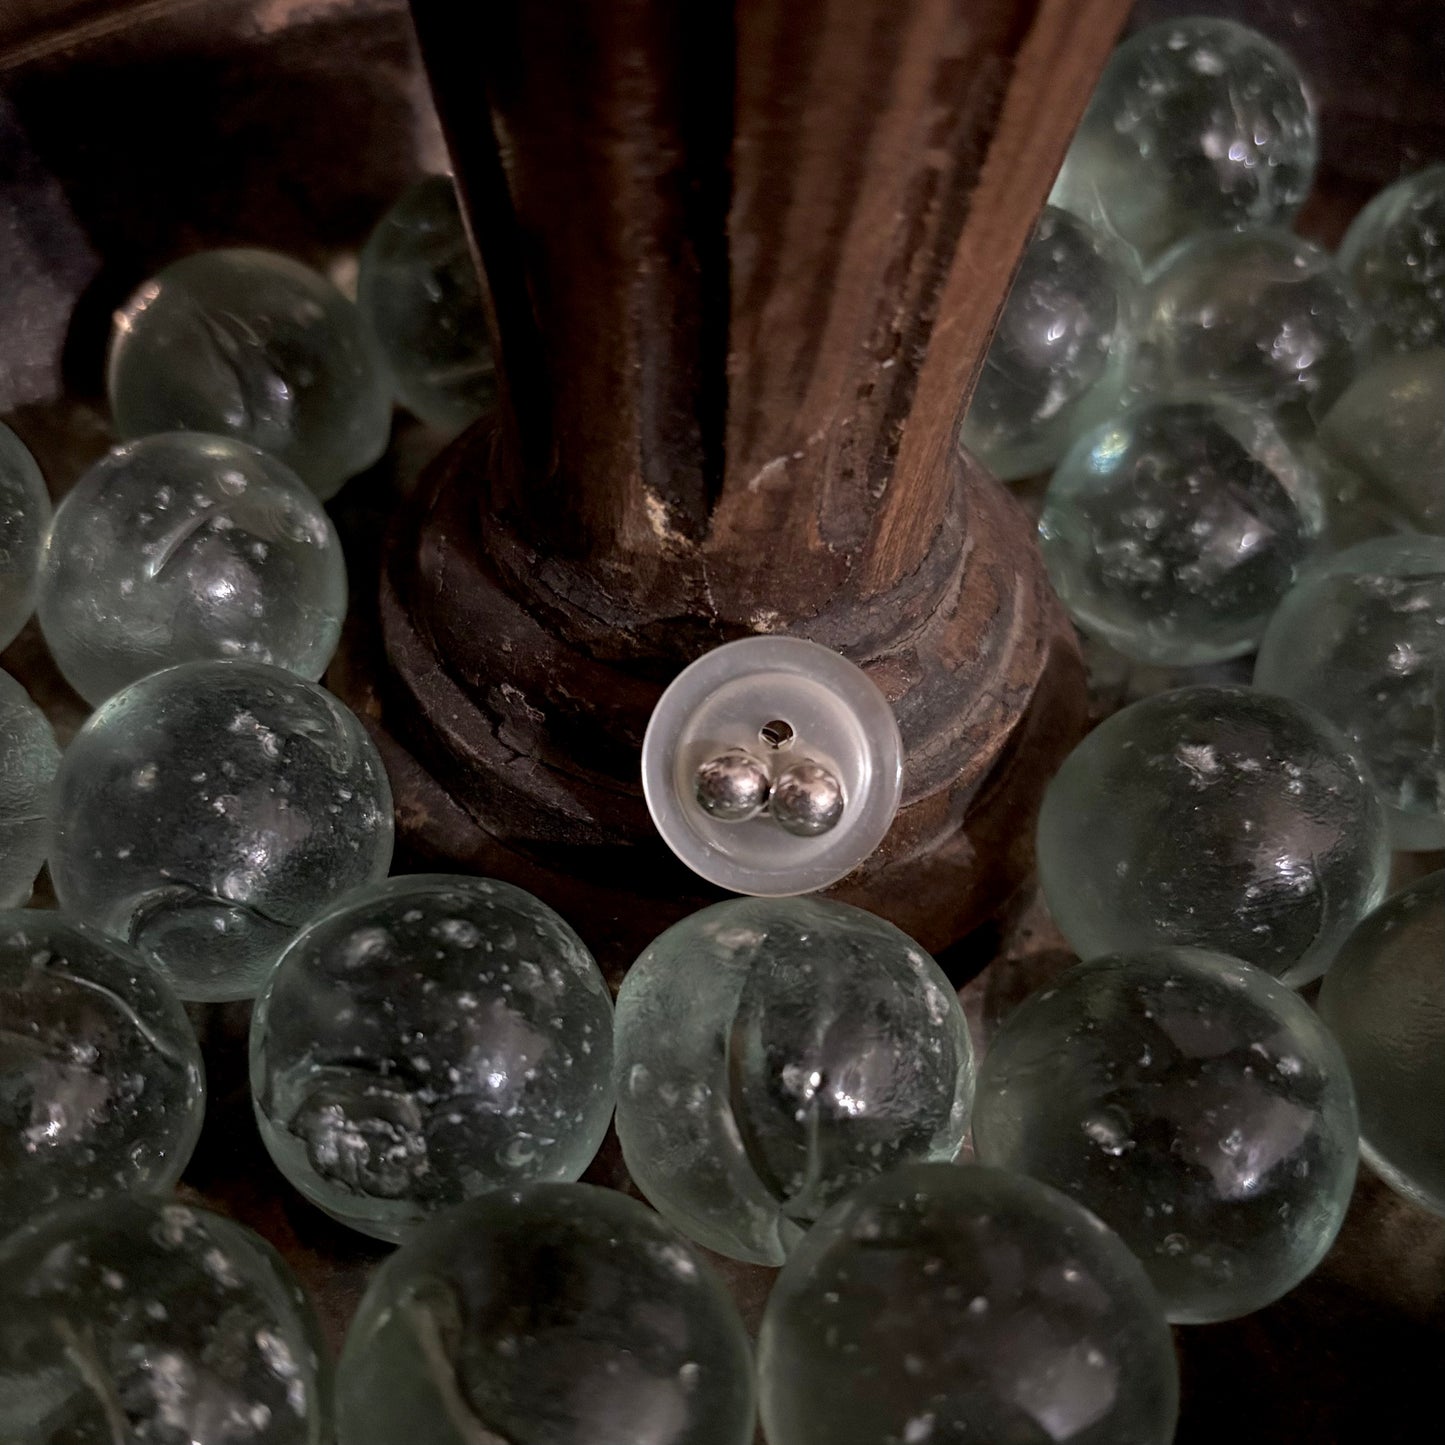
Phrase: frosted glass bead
(427, 1039)
(139, 1320)
(1394, 257)
(1386, 430)
(1384, 999)
(1060, 352)
(771, 1054)
(206, 812)
(956, 1303)
(1173, 531)
(1196, 123)
(420, 292)
(255, 346)
(183, 546)
(101, 1085)
(28, 760)
(24, 516)
(1193, 1103)
(554, 1314)
(1362, 640)
(1260, 317)
(1219, 817)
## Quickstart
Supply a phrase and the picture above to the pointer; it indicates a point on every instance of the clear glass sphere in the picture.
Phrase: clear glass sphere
(1384, 999)
(427, 1039)
(1219, 817)
(183, 546)
(28, 760)
(1362, 641)
(24, 517)
(205, 813)
(1195, 123)
(1060, 351)
(101, 1085)
(419, 289)
(256, 346)
(1196, 1105)
(1173, 531)
(953, 1303)
(1394, 257)
(555, 1314)
(1259, 317)
(142, 1320)
(1386, 430)
(771, 1054)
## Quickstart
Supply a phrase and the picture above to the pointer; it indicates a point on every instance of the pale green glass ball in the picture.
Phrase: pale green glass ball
(28, 760)
(1384, 999)
(1192, 1102)
(773, 1053)
(1218, 817)
(24, 517)
(554, 1314)
(957, 1303)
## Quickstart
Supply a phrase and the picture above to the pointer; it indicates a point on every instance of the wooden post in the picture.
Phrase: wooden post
(745, 259)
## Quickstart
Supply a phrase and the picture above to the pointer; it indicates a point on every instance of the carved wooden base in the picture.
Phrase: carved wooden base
(516, 687)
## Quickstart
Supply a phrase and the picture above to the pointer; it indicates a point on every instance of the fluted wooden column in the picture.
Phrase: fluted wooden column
(745, 259)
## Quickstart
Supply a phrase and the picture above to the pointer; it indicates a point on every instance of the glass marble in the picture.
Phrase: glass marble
(1196, 1105)
(256, 346)
(956, 1303)
(1362, 641)
(426, 1039)
(24, 517)
(772, 1054)
(1173, 531)
(420, 292)
(1394, 257)
(206, 812)
(1259, 317)
(1060, 352)
(1195, 124)
(553, 1314)
(142, 1320)
(101, 1084)
(183, 546)
(1384, 999)
(28, 760)
(1219, 817)
(1388, 431)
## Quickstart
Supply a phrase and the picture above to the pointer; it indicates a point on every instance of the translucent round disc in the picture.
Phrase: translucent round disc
(1193, 1103)
(830, 712)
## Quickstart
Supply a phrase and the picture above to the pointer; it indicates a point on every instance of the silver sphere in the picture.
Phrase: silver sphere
(732, 787)
(807, 799)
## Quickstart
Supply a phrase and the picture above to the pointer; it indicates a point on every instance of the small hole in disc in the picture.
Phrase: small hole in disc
(776, 734)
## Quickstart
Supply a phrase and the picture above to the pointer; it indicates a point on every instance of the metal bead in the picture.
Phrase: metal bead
(732, 787)
(807, 799)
